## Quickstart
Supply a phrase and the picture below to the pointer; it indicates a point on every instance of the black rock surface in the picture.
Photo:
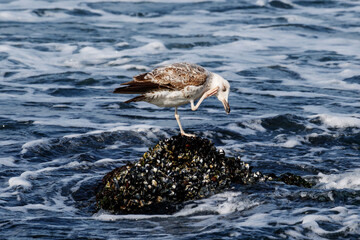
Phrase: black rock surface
(176, 170)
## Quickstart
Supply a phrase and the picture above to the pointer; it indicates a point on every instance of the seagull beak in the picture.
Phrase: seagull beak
(226, 106)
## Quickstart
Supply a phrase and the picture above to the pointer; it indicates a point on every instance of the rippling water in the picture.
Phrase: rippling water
(293, 66)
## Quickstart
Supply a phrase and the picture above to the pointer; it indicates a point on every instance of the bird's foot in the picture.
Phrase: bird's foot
(187, 134)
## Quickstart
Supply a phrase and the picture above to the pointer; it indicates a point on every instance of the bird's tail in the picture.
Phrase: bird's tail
(138, 89)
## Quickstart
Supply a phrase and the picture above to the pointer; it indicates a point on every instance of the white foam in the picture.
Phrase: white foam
(261, 3)
(8, 161)
(349, 179)
(316, 109)
(283, 140)
(104, 161)
(311, 222)
(32, 144)
(19, 181)
(250, 127)
(223, 203)
(84, 178)
(103, 215)
(291, 142)
(23, 179)
(119, 61)
(61, 106)
(339, 121)
(116, 145)
(54, 204)
(140, 149)
(257, 220)
(89, 56)
(265, 215)
(22, 16)
(348, 220)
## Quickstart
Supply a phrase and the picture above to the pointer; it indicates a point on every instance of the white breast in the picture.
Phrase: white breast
(166, 98)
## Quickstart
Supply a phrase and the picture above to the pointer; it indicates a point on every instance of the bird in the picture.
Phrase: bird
(177, 84)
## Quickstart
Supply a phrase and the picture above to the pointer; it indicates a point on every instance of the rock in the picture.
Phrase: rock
(176, 170)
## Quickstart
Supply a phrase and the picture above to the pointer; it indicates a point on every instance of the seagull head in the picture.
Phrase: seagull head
(223, 90)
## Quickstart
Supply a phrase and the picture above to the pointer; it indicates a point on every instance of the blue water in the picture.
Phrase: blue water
(293, 66)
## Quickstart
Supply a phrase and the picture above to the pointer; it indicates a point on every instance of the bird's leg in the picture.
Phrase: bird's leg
(181, 129)
(207, 94)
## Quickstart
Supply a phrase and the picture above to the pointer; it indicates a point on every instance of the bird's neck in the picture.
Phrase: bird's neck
(213, 81)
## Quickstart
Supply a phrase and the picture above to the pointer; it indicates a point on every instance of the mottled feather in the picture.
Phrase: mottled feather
(172, 77)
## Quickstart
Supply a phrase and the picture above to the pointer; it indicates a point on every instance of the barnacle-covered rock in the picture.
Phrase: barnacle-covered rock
(176, 170)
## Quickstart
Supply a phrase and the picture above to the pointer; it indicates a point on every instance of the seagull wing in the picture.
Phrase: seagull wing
(176, 76)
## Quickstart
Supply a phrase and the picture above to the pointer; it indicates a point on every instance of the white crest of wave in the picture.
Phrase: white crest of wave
(339, 121)
(349, 179)
(19, 181)
(32, 144)
(23, 181)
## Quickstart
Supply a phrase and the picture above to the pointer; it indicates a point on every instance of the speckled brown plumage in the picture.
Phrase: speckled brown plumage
(172, 77)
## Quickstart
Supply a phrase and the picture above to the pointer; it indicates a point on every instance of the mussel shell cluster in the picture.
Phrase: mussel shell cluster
(176, 170)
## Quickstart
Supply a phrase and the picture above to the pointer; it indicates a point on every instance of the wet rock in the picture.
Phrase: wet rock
(174, 171)
(292, 179)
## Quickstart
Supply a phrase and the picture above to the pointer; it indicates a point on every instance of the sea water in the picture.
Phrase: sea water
(293, 66)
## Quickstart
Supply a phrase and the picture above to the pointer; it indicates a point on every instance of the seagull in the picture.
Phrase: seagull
(175, 85)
